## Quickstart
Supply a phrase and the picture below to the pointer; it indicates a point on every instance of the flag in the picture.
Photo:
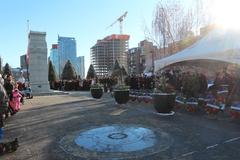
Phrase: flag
(27, 61)
(27, 55)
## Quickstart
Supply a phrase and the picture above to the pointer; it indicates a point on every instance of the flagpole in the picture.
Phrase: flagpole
(27, 55)
(27, 26)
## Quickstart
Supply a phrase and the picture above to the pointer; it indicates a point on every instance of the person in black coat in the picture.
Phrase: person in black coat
(8, 85)
(11, 146)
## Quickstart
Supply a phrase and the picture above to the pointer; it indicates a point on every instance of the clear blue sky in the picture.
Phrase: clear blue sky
(86, 20)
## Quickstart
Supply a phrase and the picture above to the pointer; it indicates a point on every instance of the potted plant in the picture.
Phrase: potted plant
(96, 91)
(121, 94)
(121, 91)
(164, 95)
(192, 88)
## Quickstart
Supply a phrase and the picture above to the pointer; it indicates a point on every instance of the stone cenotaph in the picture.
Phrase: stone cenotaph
(38, 66)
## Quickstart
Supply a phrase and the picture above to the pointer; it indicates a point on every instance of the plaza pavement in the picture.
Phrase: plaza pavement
(44, 121)
(54, 99)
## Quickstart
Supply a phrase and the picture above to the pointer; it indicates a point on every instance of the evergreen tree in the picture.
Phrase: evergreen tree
(7, 69)
(91, 72)
(116, 69)
(79, 77)
(69, 72)
(51, 72)
(116, 65)
(119, 72)
(124, 72)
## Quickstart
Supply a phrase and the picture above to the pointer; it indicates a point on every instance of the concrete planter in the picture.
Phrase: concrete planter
(163, 102)
(121, 96)
(96, 92)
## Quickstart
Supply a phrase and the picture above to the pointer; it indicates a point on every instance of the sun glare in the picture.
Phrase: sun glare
(226, 13)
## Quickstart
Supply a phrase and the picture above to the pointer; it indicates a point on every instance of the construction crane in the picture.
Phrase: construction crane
(120, 20)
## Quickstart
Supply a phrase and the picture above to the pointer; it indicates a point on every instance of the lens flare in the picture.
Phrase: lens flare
(226, 13)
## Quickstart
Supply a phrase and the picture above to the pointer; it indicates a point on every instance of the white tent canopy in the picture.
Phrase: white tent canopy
(219, 44)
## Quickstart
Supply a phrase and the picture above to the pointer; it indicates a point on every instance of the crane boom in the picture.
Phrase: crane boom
(120, 20)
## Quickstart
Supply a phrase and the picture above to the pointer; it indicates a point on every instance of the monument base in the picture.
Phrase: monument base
(40, 87)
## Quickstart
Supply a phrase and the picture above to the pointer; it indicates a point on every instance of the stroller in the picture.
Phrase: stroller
(27, 92)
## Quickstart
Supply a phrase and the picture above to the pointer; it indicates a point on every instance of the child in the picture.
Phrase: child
(16, 98)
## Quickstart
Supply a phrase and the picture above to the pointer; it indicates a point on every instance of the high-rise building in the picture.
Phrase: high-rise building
(23, 63)
(141, 59)
(54, 57)
(134, 64)
(67, 50)
(148, 54)
(106, 51)
(80, 69)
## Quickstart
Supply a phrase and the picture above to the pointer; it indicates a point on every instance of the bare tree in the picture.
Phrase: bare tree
(160, 26)
(172, 22)
(202, 13)
(199, 14)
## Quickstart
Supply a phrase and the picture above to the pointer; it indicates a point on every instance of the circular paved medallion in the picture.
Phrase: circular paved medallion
(116, 141)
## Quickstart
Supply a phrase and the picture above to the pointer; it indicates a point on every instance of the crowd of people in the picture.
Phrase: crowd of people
(188, 82)
(83, 85)
(12, 93)
(193, 84)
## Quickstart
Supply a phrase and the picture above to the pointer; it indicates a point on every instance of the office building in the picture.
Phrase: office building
(80, 69)
(134, 64)
(54, 57)
(23, 63)
(67, 51)
(141, 59)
